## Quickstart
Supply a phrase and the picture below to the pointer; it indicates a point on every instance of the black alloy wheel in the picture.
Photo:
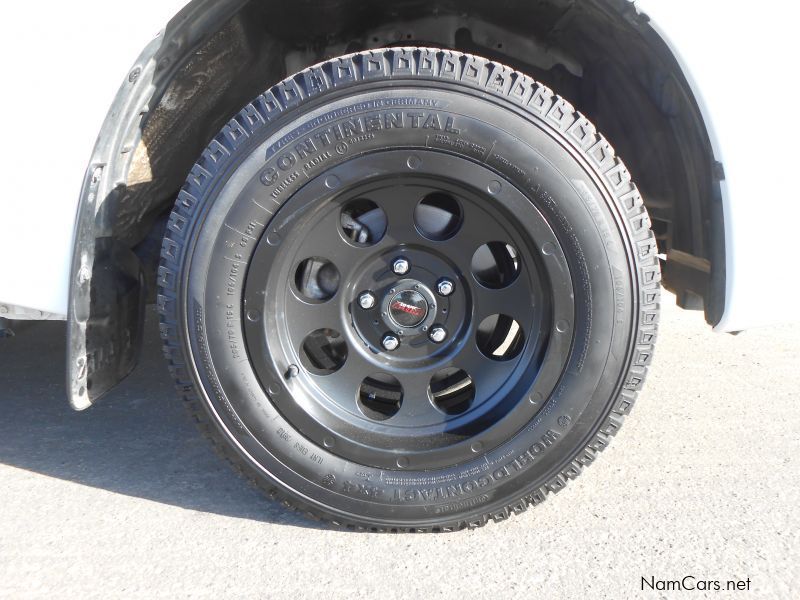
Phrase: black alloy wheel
(409, 289)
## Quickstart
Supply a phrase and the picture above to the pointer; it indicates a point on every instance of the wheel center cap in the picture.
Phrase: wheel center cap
(408, 308)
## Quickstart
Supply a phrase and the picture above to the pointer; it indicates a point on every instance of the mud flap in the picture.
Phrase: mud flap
(105, 322)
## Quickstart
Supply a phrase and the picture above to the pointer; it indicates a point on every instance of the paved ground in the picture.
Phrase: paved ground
(127, 500)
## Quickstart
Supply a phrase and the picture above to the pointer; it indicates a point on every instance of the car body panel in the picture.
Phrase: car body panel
(66, 96)
(741, 75)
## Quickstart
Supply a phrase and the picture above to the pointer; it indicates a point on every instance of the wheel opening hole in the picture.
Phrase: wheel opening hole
(496, 265)
(380, 396)
(438, 216)
(363, 222)
(324, 351)
(452, 391)
(500, 337)
(317, 279)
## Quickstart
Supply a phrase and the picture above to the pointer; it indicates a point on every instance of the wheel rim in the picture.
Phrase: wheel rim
(404, 299)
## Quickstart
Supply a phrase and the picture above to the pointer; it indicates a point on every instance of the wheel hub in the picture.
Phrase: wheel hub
(408, 308)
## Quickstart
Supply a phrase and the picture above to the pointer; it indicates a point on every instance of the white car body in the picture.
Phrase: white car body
(741, 76)
(54, 121)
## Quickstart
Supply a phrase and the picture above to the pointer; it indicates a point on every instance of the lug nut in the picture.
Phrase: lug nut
(438, 334)
(390, 343)
(366, 300)
(445, 287)
(400, 266)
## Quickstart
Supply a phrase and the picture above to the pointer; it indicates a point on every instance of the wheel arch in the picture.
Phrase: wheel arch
(214, 56)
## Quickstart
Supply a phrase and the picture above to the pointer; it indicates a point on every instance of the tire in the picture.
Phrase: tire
(279, 286)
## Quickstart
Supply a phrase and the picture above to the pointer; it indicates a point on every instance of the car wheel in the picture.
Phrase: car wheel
(409, 289)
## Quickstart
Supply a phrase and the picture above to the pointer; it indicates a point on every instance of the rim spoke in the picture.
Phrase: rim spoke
(487, 375)
(303, 318)
(343, 384)
(515, 301)
(479, 227)
(398, 203)
(415, 395)
(326, 241)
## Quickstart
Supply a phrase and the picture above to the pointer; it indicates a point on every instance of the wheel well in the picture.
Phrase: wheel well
(602, 55)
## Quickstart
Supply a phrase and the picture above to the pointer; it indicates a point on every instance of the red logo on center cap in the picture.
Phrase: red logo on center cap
(412, 310)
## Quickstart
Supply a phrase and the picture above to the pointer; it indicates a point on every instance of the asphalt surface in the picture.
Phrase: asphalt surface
(128, 500)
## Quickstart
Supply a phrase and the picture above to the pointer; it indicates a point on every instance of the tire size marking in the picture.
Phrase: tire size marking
(205, 357)
(233, 281)
(461, 145)
(232, 324)
(593, 206)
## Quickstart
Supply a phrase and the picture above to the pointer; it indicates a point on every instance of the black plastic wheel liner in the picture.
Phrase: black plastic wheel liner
(107, 292)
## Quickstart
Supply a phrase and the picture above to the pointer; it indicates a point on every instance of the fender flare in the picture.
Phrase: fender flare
(107, 287)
